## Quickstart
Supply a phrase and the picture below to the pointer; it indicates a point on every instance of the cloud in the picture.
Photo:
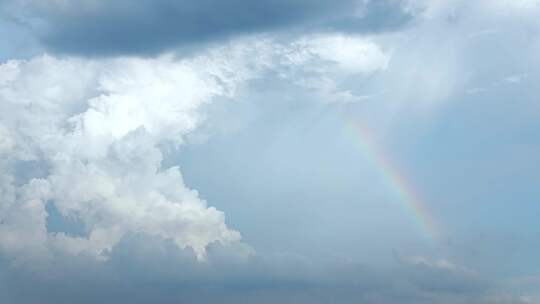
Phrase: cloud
(352, 55)
(96, 128)
(94, 207)
(136, 272)
(85, 138)
(150, 27)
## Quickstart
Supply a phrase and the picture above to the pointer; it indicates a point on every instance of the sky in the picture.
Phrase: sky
(285, 151)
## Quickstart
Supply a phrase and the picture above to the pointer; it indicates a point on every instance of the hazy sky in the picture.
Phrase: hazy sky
(285, 151)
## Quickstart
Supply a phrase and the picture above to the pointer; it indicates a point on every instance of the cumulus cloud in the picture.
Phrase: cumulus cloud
(95, 130)
(96, 127)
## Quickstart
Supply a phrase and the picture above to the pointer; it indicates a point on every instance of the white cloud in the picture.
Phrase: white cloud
(323, 63)
(352, 55)
(97, 127)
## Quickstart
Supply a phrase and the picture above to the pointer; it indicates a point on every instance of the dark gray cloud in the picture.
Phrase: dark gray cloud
(142, 27)
(136, 273)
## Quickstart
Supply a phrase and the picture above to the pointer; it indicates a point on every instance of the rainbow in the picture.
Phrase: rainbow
(392, 178)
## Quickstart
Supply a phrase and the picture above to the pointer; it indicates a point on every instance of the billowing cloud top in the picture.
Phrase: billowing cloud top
(94, 143)
(95, 140)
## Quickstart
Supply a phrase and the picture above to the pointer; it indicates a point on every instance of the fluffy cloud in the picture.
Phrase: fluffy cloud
(96, 128)
(91, 135)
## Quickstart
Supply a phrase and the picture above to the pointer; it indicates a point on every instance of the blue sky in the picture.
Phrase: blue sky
(209, 152)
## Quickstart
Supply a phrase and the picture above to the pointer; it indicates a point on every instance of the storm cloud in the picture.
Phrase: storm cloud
(150, 27)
